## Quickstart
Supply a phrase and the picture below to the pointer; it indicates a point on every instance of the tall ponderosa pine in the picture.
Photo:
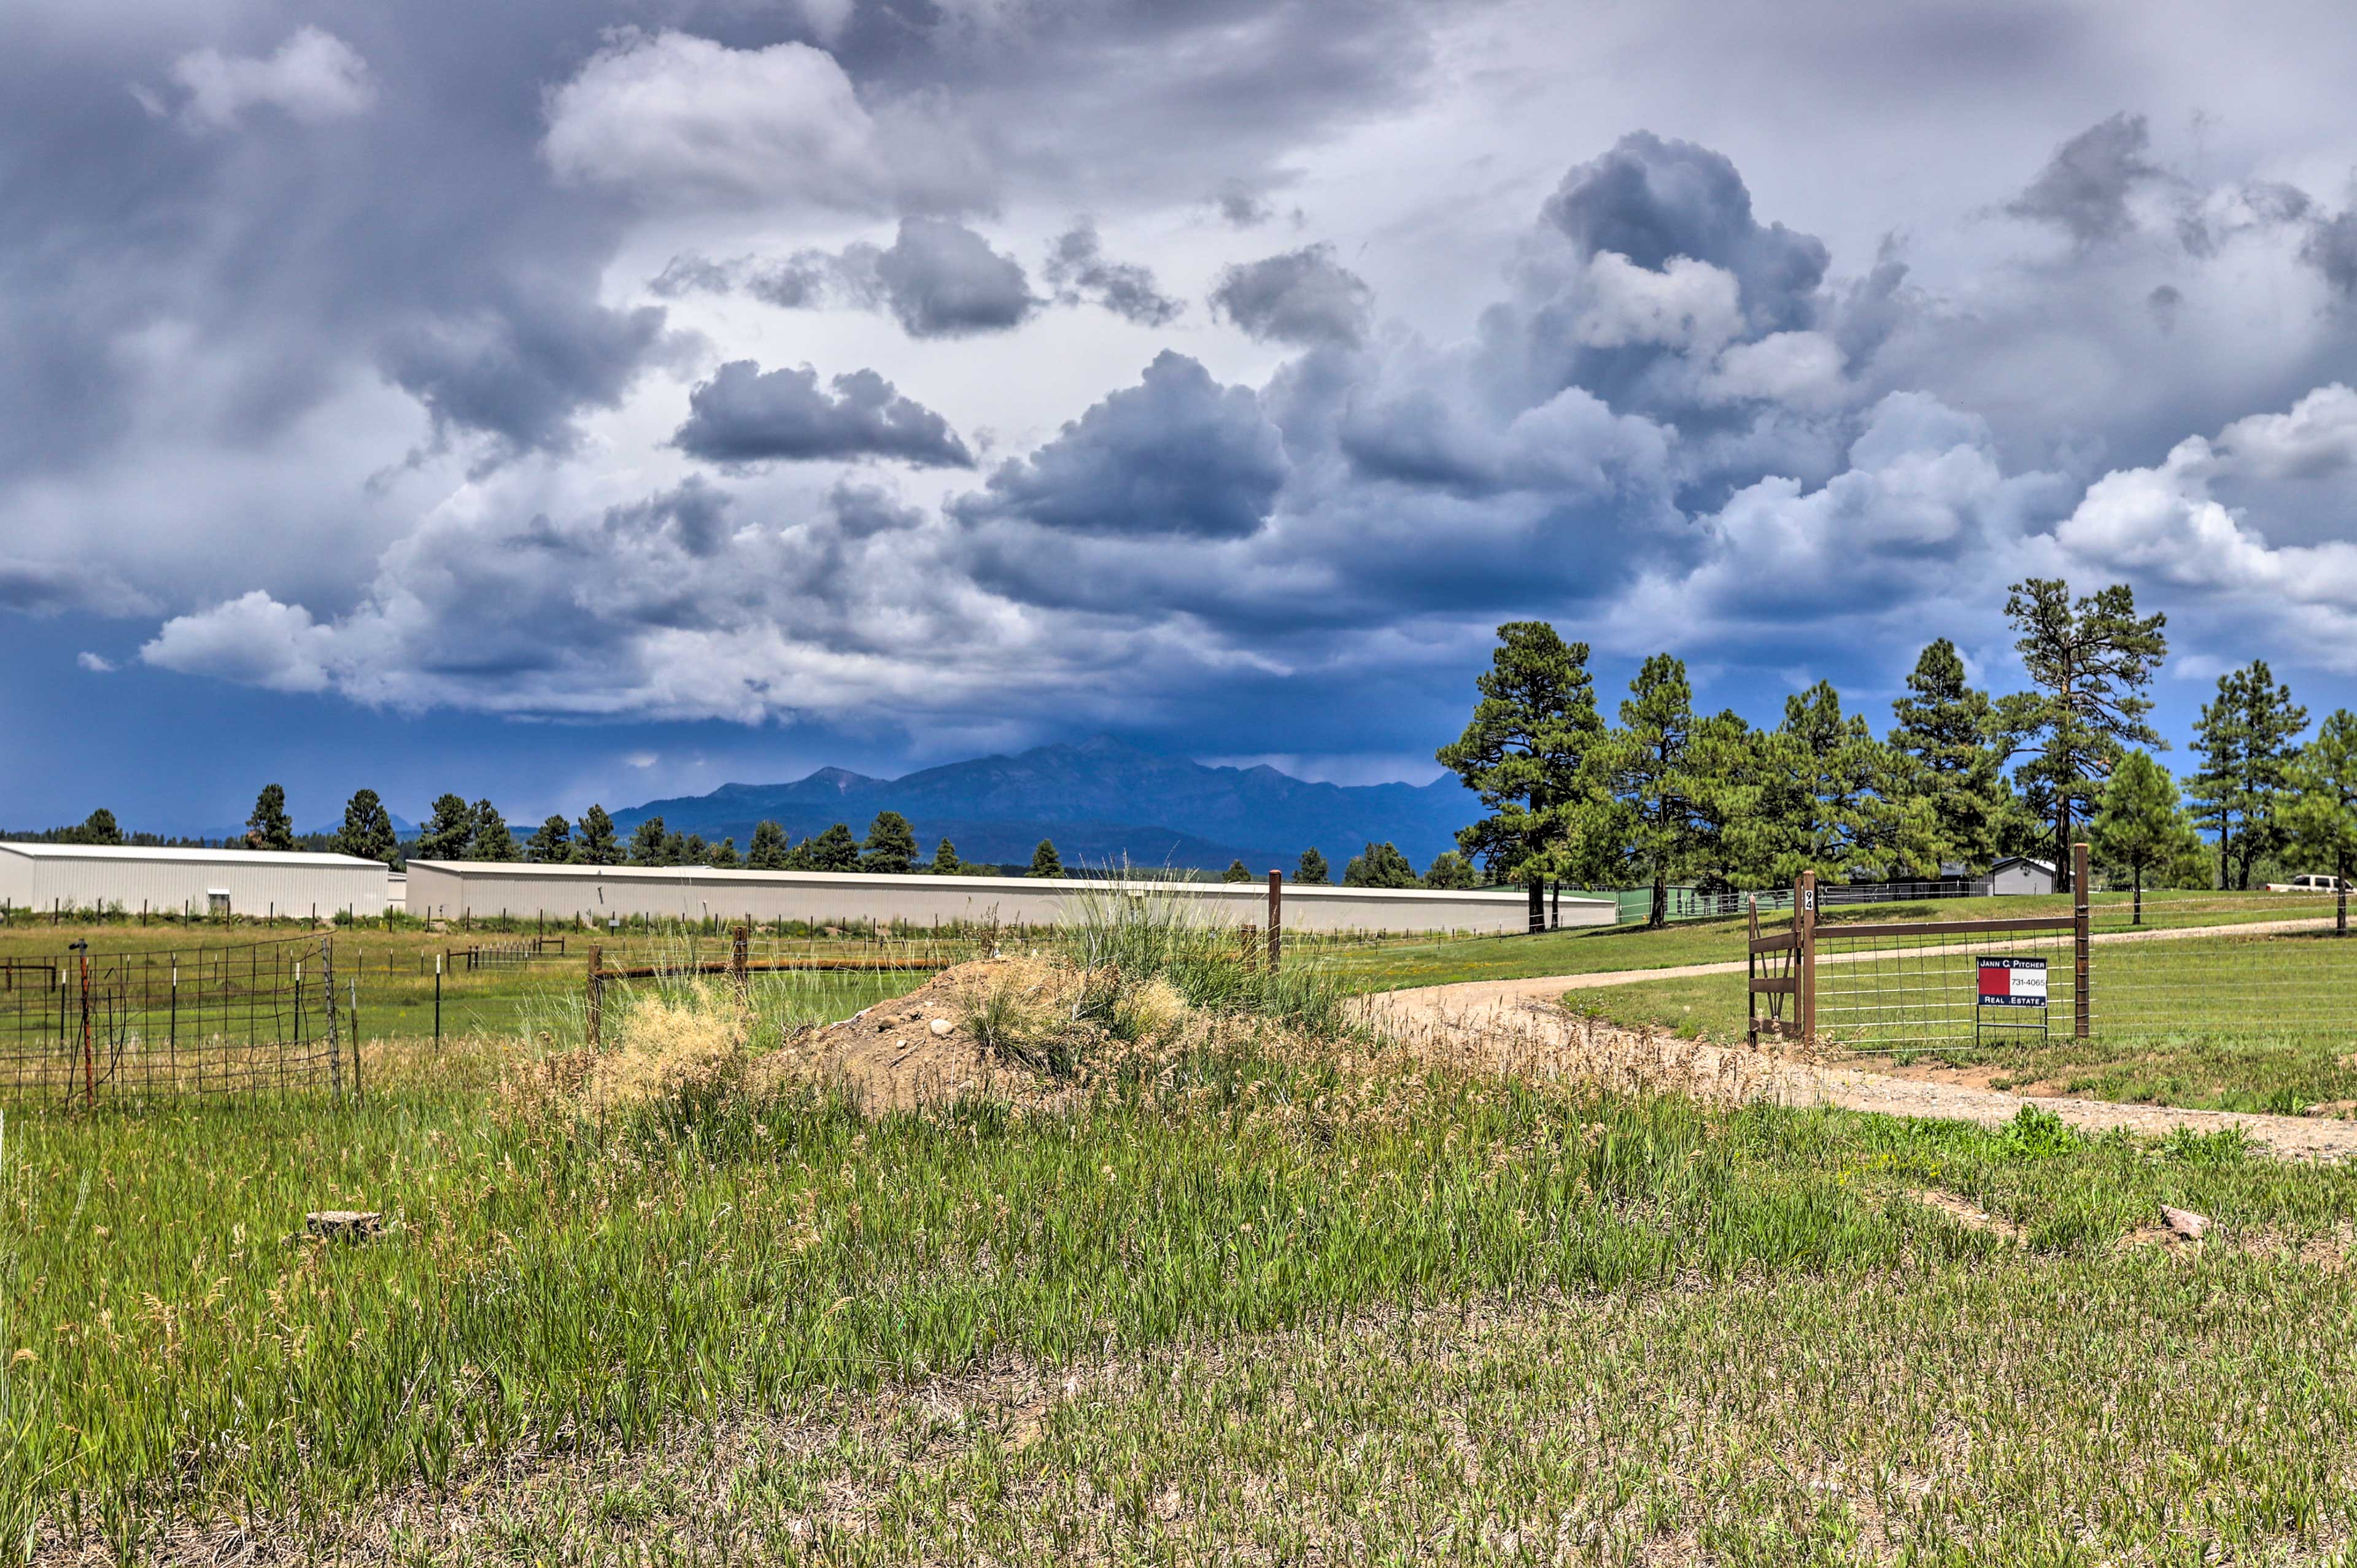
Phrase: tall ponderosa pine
(1045, 861)
(492, 841)
(834, 850)
(597, 844)
(945, 859)
(1313, 871)
(448, 831)
(99, 828)
(689, 851)
(2244, 741)
(2321, 818)
(2138, 822)
(269, 827)
(551, 843)
(650, 844)
(1833, 797)
(2091, 662)
(1949, 730)
(1379, 866)
(368, 829)
(891, 845)
(1449, 870)
(768, 849)
(1651, 766)
(1731, 848)
(1529, 754)
(724, 856)
(1236, 872)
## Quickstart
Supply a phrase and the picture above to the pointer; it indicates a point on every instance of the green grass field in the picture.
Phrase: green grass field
(1365, 1308)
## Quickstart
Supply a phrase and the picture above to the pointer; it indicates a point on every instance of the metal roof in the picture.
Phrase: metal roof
(258, 857)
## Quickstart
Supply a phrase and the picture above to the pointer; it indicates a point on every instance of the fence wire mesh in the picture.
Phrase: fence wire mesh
(2223, 969)
(81, 1027)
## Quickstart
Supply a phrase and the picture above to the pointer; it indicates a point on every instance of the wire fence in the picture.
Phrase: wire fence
(2217, 969)
(81, 1027)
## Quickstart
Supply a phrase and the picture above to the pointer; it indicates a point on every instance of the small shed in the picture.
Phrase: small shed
(2017, 873)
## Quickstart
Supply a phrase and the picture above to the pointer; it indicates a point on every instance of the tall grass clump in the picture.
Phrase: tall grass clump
(1129, 932)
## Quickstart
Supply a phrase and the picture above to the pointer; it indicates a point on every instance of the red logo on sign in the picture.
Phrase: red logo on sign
(1997, 982)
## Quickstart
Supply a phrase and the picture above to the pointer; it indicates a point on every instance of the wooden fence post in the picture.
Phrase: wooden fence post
(2079, 998)
(1804, 921)
(740, 964)
(594, 1009)
(1275, 920)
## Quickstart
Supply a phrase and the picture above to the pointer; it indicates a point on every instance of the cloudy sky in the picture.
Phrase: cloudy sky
(560, 401)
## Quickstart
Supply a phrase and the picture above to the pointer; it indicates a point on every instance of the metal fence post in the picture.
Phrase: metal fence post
(1804, 921)
(437, 1001)
(2079, 998)
(1275, 921)
(89, 1057)
(335, 1030)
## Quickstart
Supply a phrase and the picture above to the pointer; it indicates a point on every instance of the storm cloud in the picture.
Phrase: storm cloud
(1303, 298)
(742, 416)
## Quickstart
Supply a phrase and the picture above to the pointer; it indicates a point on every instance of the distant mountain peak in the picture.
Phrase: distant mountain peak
(842, 779)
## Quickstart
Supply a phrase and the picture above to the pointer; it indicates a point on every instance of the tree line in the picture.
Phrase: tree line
(1960, 779)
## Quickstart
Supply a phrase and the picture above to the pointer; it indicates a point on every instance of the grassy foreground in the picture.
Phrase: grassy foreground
(1309, 1299)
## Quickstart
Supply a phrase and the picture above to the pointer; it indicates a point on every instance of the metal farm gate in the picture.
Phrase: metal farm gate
(2227, 969)
(81, 1027)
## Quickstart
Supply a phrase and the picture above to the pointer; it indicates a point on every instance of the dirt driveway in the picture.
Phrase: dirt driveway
(1516, 1025)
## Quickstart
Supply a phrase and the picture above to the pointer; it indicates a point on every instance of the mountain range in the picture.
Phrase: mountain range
(1100, 800)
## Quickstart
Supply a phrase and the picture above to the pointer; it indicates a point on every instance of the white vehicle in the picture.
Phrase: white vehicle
(2306, 884)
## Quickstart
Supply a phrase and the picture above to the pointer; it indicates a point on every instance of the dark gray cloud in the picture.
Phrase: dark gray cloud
(695, 513)
(1078, 271)
(1653, 202)
(2084, 189)
(2331, 249)
(521, 367)
(1242, 207)
(941, 279)
(1304, 298)
(742, 416)
(1177, 455)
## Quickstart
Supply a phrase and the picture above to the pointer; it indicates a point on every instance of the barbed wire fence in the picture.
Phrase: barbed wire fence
(82, 1028)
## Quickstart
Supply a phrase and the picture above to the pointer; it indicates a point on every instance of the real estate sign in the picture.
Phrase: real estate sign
(2013, 982)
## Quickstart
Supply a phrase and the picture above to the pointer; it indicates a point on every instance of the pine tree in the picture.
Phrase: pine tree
(1833, 797)
(2138, 823)
(2244, 741)
(2321, 818)
(1379, 865)
(448, 832)
(1312, 872)
(2092, 663)
(1650, 763)
(269, 827)
(98, 828)
(1045, 862)
(552, 844)
(799, 857)
(1733, 846)
(724, 856)
(1235, 873)
(834, 850)
(945, 860)
(368, 829)
(1949, 730)
(598, 845)
(650, 845)
(1448, 869)
(1529, 754)
(891, 846)
(768, 850)
(491, 840)
(684, 849)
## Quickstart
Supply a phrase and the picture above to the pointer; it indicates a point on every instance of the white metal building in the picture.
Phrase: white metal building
(449, 889)
(42, 877)
(2017, 873)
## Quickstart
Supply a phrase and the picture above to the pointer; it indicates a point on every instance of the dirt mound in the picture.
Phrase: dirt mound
(1024, 1029)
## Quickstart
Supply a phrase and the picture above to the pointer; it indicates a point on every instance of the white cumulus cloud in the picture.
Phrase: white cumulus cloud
(314, 76)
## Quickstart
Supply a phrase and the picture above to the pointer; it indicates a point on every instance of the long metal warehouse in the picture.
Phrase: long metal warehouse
(42, 877)
(444, 889)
